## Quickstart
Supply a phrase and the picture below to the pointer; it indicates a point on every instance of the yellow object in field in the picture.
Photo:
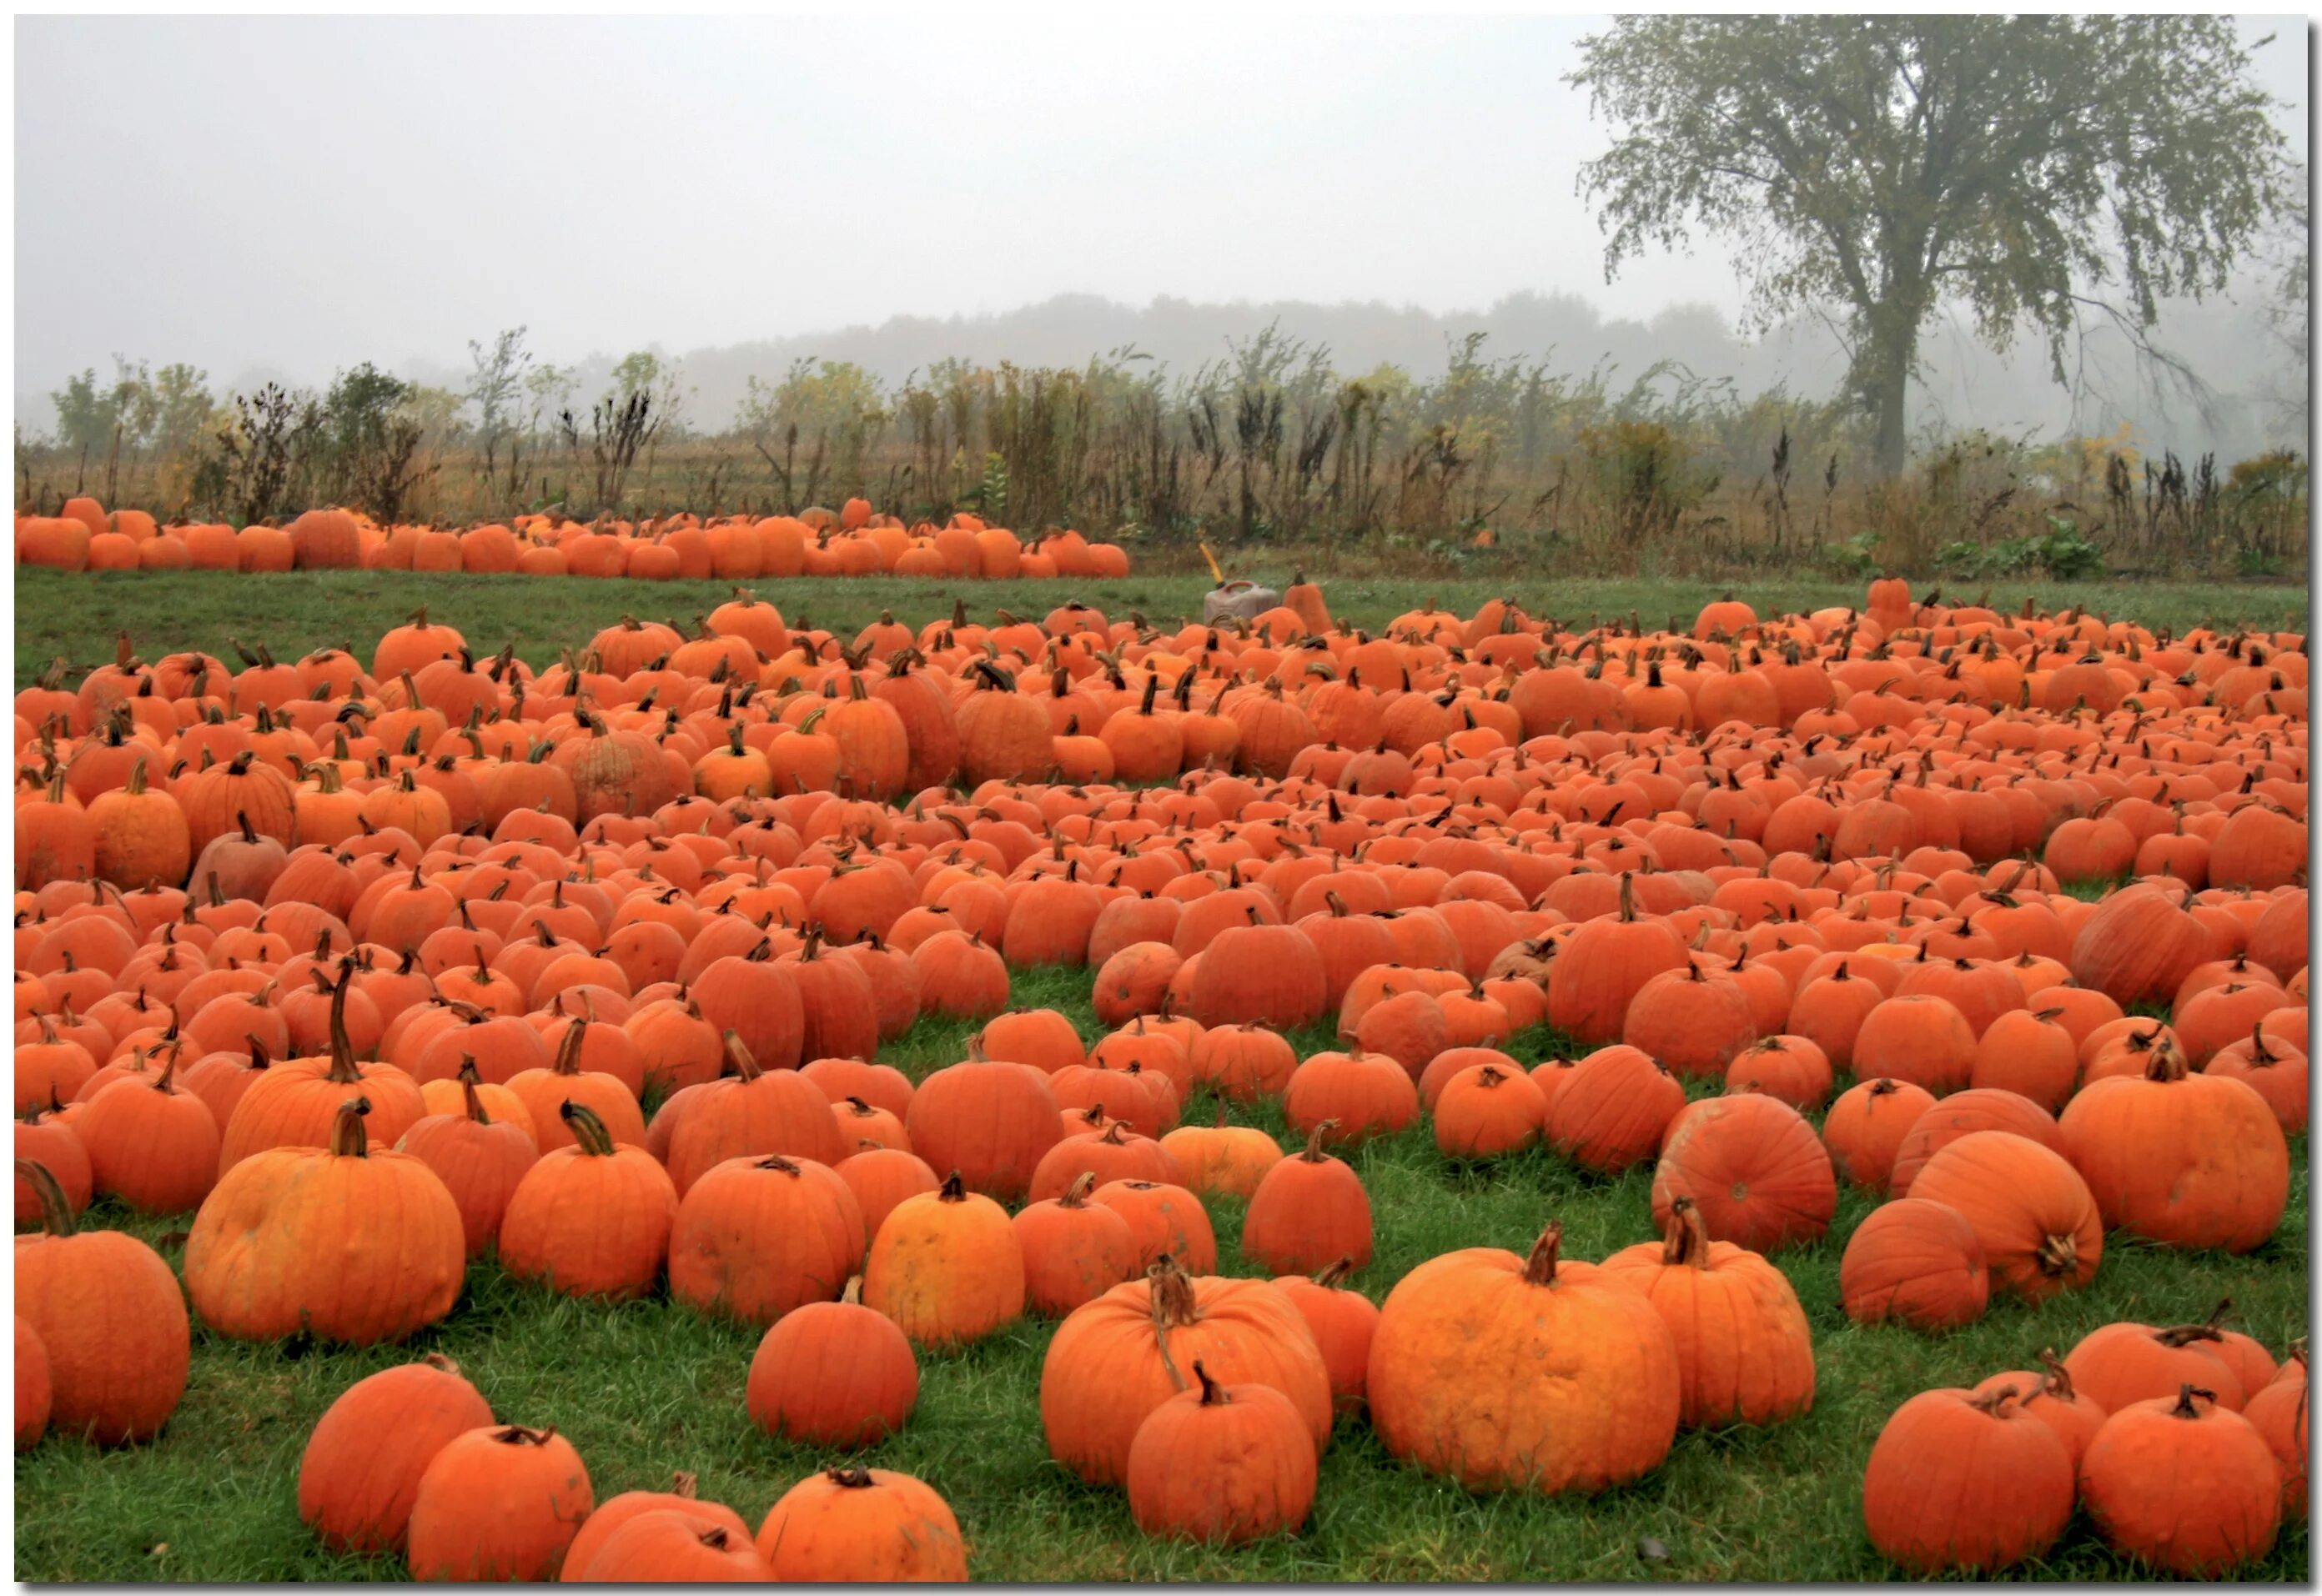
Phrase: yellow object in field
(1212, 558)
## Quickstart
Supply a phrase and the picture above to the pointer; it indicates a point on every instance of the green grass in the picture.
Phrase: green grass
(76, 616)
(651, 1388)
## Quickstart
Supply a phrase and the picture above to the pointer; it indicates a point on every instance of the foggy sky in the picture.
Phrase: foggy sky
(287, 196)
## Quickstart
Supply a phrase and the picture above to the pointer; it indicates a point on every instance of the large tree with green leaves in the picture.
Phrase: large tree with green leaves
(2033, 169)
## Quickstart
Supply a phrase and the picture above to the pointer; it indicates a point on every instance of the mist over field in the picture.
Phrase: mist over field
(1412, 184)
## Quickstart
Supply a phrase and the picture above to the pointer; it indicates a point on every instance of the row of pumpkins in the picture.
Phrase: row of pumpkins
(853, 542)
(247, 1019)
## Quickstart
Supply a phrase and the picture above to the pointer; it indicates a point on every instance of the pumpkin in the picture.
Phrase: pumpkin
(1745, 1355)
(108, 1313)
(2052, 1400)
(675, 1545)
(946, 1267)
(1959, 1483)
(2279, 1413)
(609, 1517)
(499, 1503)
(1106, 1365)
(1604, 965)
(2119, 1364)
(756, 1238)
(592, 1220)
(1865, 1128)
(861, 1525)
(833, 1374)
(1613, 1111)
(1492, 1370)
(1075, 1250)
(360, 1475)
(1917, 1261)
(340, 1243)
(990, 1120)
(1306, 1211)
(1222, 1464)
(1753, 1167)
(34, 1393)
(2184, 1483)
(2190, 1161)
(2039, 1226)
(1488, 1111)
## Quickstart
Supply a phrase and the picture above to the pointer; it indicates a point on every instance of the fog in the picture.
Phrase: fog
(280, 197)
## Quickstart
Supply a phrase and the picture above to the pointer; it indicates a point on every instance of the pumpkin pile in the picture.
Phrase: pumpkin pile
(853, 542)
(2185, 1445)
(586, 966)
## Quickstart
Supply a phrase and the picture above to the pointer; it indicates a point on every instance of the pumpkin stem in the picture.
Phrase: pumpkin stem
(2057, 1255)
(1329, 1276)
(469, 1082)
(738, 1054)
(1996, 1400)
(1686, 1239)
(344, 1069)
(1077, 1195)
(1540, 1269)
(588, 1130)
(2058, 1381)
(1314, 1152)
(954, 1188)
(348, 1138)
(2185, 1395)
(56, 1213)
(568, 1052)
(1213, 1395)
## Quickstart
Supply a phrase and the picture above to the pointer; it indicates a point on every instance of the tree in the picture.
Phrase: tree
(2027, 167)
(498, 378)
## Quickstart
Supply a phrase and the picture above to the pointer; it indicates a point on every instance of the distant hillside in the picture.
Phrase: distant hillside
(2228, 345)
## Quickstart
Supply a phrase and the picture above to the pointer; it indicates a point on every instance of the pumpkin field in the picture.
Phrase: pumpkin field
(945, 1064)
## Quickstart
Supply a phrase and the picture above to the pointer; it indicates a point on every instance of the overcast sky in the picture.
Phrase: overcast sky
(302, 194)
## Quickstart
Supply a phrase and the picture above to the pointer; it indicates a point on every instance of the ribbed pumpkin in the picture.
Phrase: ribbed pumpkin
(2039, 1226)
(480, 1159)
(1075, 1250)
(1964, 1483)
(359, 1474)
(946, 1267)
(2120, 1363)
(340, 1241)
(834, 1375)
(1259, 975)
(1108, 1365)
(1744, 1352)
(1865, 1129)
(1613, 1112)
(752, 1113)
(1914, 1261)
(861, 1525)
(1505, 1375)
(591, 1219)
(1603, 967)
(2184, 1483)
(1308, 1210)
(2192, 1160)
(110, 1316)
(757, 1237)
(501, 1503)
(989, 1119)
(1222, 1465)
(1754, 1168)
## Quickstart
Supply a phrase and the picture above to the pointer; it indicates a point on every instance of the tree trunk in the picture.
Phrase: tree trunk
(1890, 382)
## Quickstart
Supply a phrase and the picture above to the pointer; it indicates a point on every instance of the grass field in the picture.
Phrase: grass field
(75, 616)
(651, 1388)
